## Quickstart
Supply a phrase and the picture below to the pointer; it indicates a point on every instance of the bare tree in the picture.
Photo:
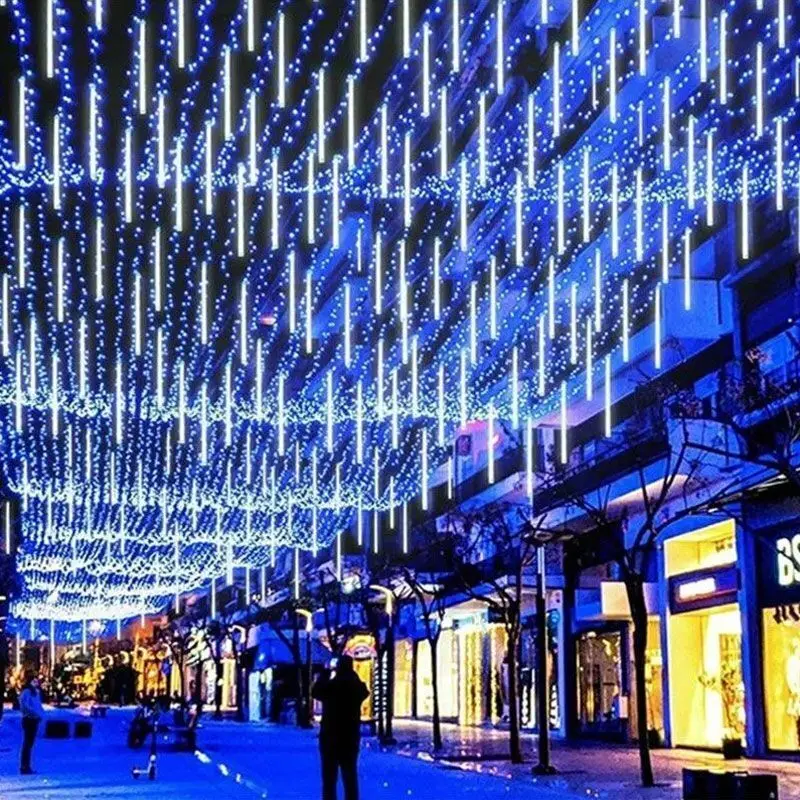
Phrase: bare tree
(756, 416)
(213, 636)
(679, 482)
(179, 638)
(489, 555)
(430, 596)
(286, 616)
(337, 605)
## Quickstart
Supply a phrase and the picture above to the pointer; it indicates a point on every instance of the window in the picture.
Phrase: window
(781, 632)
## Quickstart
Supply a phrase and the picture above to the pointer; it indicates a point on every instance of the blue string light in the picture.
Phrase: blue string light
(181, 393)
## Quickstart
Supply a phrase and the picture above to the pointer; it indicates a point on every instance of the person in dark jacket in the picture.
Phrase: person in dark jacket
(30, 704)
(341, 693)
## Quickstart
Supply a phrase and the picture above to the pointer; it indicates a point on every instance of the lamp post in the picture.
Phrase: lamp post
(238, 635)
(544, 767)
(309, 617)
(388, 686)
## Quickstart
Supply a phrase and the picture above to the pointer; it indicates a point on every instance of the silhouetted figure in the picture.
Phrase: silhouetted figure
(341, 693)
(30, 704)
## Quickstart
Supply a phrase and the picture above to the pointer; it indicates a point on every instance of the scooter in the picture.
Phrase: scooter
(150, 769)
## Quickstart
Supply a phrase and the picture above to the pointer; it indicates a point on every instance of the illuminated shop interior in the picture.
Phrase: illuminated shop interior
(706, 687)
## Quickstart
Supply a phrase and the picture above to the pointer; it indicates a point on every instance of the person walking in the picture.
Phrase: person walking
(30, 704)
(341, 693)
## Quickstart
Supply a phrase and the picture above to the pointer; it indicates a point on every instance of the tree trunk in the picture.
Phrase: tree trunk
(309, 670)
(218, 688)
(635, 588)
(300, 714)
(544, 767)
(3, 667)
(198, 684)
(379, 706)
(515, 746)
(240, 716)
(389, 733)
(179, 665)
(437, 722)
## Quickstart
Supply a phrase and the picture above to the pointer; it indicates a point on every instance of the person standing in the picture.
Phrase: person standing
(341, 693)
(30, 704)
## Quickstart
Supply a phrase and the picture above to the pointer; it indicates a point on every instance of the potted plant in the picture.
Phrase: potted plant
(730, 687)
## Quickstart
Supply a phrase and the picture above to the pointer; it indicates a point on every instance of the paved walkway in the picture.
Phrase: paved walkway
(245, 760)
(587, 769)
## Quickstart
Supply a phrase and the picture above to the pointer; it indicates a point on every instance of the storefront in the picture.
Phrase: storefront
(361, 648)
(779, 601)
(472, 692)
(403, 678)
(601, 655)
(704, 635)
(528, 675)
(447, 665)
(604, 669)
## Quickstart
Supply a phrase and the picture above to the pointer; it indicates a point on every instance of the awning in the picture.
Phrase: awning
(609, 601)
(273, 652)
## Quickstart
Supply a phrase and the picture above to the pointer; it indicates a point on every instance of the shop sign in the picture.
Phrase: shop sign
(778, 566)
(788, 560)
(703, 589)
(360, 648)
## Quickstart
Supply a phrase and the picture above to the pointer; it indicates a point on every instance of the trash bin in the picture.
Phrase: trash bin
(704, 784)
(56, 729)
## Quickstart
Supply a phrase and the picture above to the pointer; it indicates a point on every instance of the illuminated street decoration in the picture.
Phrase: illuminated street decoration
(328, 301)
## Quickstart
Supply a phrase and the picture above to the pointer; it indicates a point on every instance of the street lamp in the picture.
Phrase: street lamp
(309, 617)
(389, 597)
(238, 635)
(544, 767)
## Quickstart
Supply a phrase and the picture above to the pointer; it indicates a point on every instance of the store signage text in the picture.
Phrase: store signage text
(788, 560)
(704, 587)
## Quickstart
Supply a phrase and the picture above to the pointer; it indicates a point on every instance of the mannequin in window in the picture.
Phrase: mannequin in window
(793, 684)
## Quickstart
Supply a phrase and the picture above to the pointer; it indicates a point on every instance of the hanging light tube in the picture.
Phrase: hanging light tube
(310, 228)
(142, 66)
(687, 269)
(500, 67)
(209, 187)
(456, 30)
(281, 60)
(347, 334)
(556, 90)
(321, 115)
(309, 315)
(626, 350)
(563, 418)
(443, 133)
(227, 114)
(351, 122)
(437, 301)
(57, 162)
(335, 204)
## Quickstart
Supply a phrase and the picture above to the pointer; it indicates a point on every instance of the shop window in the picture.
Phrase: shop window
(471, 684)
(528, 676)
(781, 632)
(403, 681)
(361, 648)
(498, 675)
(709, 547)
(653, 681)
(600, 696)
(448, 677)
(706, 685)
